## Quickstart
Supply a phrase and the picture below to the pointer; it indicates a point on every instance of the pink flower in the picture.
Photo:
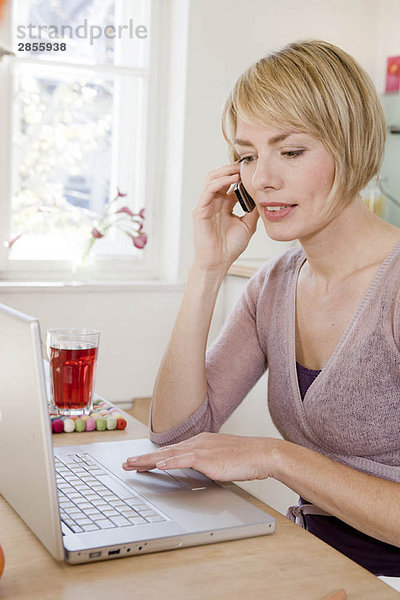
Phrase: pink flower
(130, 223)
(139, 241)
(97, 234)
(10, 243)
(126, 210)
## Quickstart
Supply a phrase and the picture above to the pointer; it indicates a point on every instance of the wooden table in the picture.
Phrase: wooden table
(291, 564)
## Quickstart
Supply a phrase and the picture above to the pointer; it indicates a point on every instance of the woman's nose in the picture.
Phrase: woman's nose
(266, 176)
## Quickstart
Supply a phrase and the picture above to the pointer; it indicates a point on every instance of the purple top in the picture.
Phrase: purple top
(374, 555)
(350, 413)
(305, 377)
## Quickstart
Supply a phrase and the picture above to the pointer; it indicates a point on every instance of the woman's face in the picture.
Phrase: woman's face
(289, 175)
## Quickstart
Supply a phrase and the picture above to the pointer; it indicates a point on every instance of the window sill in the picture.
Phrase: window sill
(156, 285)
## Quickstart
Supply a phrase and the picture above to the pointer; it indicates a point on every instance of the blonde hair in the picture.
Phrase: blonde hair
(321, 90)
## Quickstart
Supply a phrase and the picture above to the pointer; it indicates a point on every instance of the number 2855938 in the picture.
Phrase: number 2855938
(42, 46)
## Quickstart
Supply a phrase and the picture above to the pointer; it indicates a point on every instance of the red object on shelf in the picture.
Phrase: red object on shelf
(2, 8)
(2, 561)
(392, 74)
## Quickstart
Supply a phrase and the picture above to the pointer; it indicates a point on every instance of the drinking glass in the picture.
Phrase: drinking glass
(73, 355)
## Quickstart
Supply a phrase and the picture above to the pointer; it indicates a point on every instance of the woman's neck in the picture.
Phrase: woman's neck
(352, 240)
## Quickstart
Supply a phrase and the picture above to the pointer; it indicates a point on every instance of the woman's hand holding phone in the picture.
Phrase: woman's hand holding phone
(220, 237)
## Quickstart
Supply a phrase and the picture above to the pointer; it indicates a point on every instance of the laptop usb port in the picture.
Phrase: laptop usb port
(95, 554)
(111, 552)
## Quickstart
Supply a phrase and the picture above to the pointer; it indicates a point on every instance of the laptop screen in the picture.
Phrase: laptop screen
(27, 478)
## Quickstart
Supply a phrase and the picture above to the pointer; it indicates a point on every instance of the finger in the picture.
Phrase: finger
(199, 460)
(223, 170)
(127, 467)
(217, 190)
(251, 219)
(134, 463)
(221, 183)
(146, 461)
(150, 455)
(181, 461)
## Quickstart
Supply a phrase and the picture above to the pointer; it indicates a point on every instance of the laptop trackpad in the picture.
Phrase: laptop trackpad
(193, 480)
(159, 482)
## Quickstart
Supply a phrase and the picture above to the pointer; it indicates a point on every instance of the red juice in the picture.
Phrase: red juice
(73, 376)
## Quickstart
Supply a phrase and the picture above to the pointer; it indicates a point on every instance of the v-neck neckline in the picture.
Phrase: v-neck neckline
(292, 325)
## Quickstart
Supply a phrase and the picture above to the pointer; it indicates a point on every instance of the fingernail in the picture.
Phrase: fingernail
(161, 464)
(132, 459)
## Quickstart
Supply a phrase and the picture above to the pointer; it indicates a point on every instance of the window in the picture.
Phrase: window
(76, 121)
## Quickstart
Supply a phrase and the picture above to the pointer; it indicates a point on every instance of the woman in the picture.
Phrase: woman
(306, 133)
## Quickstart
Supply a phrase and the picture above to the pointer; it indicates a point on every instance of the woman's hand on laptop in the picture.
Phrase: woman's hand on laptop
(218, 456)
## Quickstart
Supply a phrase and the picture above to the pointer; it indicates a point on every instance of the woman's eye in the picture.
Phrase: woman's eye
(293, 153)
(246, 159)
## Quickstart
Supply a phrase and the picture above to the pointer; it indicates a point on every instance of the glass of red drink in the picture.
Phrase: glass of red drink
(73, 355)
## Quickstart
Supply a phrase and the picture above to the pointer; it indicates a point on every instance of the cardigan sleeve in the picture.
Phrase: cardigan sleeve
(234, 363)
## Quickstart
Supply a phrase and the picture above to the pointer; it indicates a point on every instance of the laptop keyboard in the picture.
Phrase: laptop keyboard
(91, 500)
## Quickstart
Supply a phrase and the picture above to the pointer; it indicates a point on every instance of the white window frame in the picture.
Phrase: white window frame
(126, 268)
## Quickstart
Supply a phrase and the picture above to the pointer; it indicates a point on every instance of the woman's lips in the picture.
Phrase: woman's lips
(278, 211)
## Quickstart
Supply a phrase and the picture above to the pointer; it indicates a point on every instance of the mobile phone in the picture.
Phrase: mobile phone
(245, 200)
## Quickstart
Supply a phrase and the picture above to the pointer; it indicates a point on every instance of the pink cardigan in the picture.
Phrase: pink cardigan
(351, 412)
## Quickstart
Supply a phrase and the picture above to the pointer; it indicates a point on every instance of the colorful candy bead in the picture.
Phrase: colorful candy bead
(101, 424)
(103, 417)
(121, 423)
(79, 425)
(90, 424)
(69, 425)
(57, 426)
(111, 423)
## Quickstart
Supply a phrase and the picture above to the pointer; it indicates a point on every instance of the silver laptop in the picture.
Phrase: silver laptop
(77, 499)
